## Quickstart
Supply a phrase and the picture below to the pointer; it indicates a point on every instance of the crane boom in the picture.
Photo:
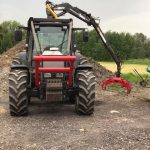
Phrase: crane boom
(90, 20)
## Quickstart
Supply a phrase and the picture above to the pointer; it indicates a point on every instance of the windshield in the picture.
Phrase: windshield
(53, 37)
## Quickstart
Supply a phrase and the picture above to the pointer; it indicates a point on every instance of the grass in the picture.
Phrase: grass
(116, 88)
(127, 69)
(134, 78)
(145, 61)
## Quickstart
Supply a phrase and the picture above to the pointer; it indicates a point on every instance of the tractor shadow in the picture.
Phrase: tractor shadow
(55, 108)
(146, 100)
(99, 103)
(50, 108)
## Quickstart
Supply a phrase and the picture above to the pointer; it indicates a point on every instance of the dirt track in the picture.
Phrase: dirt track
(119, 122)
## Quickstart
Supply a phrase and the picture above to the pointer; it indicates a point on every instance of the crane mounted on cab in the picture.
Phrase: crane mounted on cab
(64, 8)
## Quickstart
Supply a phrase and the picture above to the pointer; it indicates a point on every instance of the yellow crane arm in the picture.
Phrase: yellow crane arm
(51, 11)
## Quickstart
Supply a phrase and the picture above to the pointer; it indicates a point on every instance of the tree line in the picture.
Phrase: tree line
(7, 40)
(127, 45)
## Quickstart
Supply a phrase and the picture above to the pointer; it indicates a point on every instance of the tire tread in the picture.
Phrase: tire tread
(18, 100)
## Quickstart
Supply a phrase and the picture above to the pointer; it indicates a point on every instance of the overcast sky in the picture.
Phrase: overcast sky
(116, 15)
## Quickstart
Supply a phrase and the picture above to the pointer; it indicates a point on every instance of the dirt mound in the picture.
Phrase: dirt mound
(6, 57)
(100, 72)
(5, 60)
(4, 72)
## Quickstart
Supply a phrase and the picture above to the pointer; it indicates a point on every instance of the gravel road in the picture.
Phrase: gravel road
(120, 122)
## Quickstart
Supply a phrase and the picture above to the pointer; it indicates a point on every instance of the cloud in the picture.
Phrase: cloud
(118, 15)
(131, 23)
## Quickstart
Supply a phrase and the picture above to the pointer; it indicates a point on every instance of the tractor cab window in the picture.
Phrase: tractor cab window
(53, 37)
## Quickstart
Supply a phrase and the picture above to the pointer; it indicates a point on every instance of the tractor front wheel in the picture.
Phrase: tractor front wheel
(18, 99)
(86, 96)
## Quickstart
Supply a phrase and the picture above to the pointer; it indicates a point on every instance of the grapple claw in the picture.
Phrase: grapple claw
(117, 80)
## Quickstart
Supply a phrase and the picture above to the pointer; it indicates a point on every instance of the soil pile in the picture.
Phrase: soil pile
(100, 72)
(6, 57)
(5, 61)
(4, 72)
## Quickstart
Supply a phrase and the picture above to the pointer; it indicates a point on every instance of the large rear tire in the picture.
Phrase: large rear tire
(18, 99)
(83, 60)
(16, 61)
(86, 97)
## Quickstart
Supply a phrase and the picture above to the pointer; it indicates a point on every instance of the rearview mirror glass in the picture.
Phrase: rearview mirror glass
(85, 36)
(18, 35)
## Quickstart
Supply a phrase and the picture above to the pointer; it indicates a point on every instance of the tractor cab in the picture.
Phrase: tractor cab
(53, 36)
(50, 37)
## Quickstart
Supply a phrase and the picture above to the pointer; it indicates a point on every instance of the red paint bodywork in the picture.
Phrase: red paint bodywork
(119, 81)
(68, 70)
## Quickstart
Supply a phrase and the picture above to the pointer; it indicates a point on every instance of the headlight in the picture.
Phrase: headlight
(53, 75)
(47, 75)
(59, 75)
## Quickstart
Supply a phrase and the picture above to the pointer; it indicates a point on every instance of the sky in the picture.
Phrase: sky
(116, 15)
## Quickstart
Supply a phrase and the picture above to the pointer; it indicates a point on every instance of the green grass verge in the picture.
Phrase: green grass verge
(145, 61)
(133, 77)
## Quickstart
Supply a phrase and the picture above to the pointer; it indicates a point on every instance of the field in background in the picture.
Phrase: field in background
(127, 67)
(145, 61)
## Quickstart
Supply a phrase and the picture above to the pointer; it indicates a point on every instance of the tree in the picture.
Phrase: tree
(1, 35)
(128, 46)
(7, 29)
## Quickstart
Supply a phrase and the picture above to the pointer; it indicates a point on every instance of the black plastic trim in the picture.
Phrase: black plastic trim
(19, 67)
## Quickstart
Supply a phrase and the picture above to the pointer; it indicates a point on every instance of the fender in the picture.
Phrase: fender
(24, 67)
(83, 67)
(22, 55)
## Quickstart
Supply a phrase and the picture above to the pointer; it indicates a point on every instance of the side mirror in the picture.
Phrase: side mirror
(1, 36)
(18, 35)
(85, 36)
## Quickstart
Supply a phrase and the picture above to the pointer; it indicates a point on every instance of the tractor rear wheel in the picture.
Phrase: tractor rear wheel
(83, 60)
(86, 97)
(18, 99)
(16, 61)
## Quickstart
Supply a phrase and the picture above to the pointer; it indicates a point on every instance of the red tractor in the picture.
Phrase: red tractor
(51, 66)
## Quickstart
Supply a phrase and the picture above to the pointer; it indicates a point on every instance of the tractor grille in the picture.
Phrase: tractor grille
(54, 90)
(54, 84)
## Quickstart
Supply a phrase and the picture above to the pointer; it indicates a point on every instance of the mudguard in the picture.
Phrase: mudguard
(24, 67)
(23, 57)
(117, 80)
(83, 67)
